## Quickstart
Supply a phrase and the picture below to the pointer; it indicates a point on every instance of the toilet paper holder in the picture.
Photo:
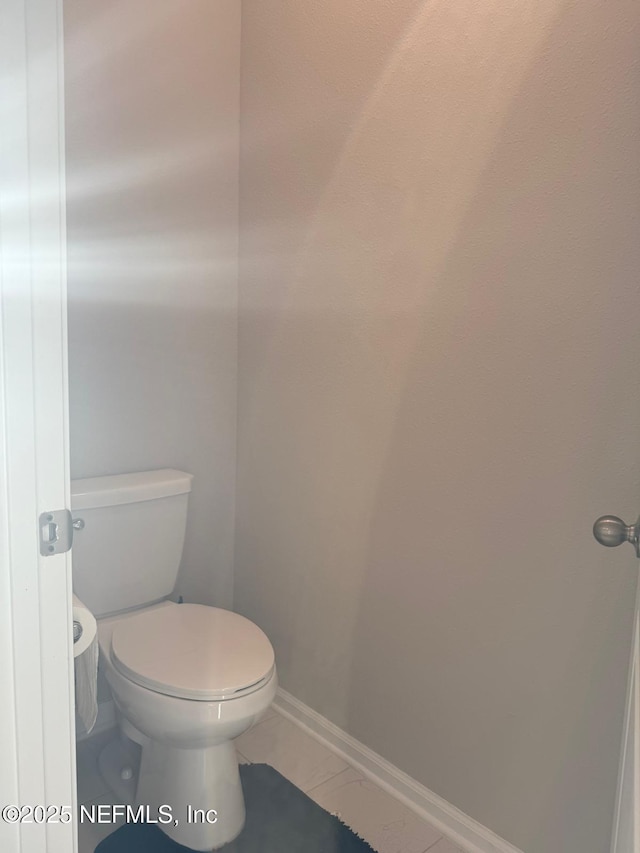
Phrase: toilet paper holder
(84, 627)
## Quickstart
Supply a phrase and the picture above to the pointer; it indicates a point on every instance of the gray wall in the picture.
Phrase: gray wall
(437, 387)
(152, 165)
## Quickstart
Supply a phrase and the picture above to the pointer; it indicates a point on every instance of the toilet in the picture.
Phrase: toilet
(186, 679)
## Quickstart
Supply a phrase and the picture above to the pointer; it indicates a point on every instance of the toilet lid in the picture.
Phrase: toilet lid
(192, 651)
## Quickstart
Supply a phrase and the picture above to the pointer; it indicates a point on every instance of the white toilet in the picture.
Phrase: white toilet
(186, 678)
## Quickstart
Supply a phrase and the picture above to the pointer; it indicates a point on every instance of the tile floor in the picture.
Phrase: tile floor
(388, 825)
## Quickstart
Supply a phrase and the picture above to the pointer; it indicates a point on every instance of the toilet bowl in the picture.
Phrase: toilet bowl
(186, 679)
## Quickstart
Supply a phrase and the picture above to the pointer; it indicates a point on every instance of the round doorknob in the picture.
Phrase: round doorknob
(611, 531)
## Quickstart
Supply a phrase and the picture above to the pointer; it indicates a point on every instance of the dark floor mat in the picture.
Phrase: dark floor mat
(280, 819)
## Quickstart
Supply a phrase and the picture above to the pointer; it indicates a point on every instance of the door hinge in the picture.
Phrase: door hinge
(56, 532)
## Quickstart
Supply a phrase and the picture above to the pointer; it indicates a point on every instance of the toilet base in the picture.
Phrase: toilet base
(199, 789)
(118, 765)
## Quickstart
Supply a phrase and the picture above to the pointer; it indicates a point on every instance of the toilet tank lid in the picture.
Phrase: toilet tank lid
(114, 489)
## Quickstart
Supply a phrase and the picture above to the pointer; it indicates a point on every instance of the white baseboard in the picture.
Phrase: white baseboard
(459, 827)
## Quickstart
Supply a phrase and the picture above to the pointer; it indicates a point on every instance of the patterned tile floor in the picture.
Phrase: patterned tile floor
(387, 824)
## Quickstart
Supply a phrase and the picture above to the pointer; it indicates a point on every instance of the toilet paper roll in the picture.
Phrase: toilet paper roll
(85, 653)
(88, 624)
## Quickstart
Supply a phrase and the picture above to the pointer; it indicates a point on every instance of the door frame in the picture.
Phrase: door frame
(625, 836)
(37, 717)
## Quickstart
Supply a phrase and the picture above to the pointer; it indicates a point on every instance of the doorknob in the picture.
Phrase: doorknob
(611, 531)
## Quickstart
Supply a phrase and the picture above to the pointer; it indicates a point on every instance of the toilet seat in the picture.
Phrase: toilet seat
(192, 651)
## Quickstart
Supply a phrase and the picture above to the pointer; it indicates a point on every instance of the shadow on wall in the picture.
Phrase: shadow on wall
(435, 411)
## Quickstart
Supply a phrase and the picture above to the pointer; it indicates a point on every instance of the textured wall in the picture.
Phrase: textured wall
(152, 166)
(438, 387)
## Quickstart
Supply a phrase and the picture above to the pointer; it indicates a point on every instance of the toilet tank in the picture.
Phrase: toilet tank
(128, 552)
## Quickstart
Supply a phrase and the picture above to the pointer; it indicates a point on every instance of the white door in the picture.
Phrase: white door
(37, 735)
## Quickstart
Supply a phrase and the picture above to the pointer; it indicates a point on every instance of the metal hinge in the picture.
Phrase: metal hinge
(56, 532)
